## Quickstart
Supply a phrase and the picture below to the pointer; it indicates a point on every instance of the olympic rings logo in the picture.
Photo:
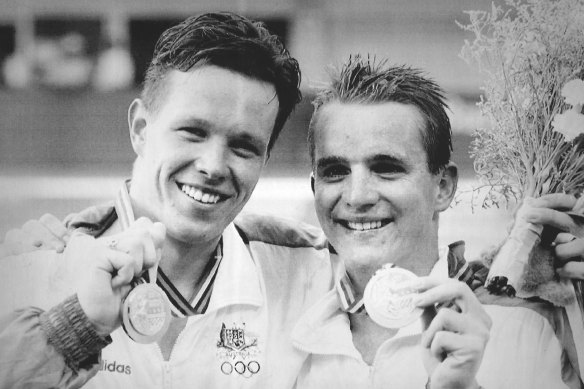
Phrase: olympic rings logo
(245, 370)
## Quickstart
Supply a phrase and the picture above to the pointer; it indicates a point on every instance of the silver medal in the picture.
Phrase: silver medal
(389, 300)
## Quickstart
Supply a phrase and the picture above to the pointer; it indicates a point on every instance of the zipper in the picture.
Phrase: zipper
(159, 351)
(371, 377)
(176, 341)
(166, 365)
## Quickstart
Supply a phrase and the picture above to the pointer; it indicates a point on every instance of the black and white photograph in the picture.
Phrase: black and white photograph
(295, 194)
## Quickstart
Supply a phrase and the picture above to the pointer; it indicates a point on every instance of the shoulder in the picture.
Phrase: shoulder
(521, 327)
(272, 230)
(530, 316)
(518, 306)
(523, 350)
(292, 255)
(94, 220)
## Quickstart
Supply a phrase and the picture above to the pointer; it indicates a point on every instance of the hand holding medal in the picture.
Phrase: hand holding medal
(112, 264)
(455, 337)
(146, 309)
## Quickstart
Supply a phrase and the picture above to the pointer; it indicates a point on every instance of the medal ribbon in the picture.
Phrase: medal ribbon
(180, 306)
(473, 275)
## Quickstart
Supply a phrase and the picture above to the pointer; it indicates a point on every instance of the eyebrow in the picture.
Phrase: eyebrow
(326, 161)
(193, 122)
(388, 158)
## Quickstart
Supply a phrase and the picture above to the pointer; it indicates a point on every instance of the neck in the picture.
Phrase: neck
(182, 262)
(368, 336)
(186, 263)
(420, 262)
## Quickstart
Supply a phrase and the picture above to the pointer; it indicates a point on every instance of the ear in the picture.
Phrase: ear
(137, 123)
(447, 186)
(312, 181)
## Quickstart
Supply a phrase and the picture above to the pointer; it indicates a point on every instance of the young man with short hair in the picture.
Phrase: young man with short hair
(217, 93)
(380, 148)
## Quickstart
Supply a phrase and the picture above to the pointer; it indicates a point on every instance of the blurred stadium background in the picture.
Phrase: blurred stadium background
(70, 68)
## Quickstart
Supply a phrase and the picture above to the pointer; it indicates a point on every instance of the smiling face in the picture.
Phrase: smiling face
(200, 154)
(375, 197)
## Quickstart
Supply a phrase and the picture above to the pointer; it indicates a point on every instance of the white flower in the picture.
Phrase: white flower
(570, 124)
(573, 92)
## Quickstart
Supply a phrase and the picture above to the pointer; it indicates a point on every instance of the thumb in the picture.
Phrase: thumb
(564, 237)
(158, 233)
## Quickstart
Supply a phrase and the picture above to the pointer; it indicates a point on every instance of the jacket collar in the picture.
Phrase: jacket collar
(238, 277)
(325, 327)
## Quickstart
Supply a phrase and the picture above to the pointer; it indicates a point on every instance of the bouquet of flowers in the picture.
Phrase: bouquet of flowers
(531, 53)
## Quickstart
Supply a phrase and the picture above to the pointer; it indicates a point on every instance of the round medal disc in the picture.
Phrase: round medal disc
(388, 300)
(146, 313)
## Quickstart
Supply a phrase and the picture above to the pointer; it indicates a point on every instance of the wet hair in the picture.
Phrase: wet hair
(368, 81)
(231, 42)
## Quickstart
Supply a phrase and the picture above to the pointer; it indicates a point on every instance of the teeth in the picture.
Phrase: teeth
(364, 226)
(206, 198)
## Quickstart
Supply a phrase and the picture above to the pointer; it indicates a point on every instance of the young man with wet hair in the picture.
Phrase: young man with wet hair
(380, 144)
(217, 93)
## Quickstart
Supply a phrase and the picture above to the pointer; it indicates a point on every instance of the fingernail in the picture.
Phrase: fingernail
(418, 301)
(414, 284)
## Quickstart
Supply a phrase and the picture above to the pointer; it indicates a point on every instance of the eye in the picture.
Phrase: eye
(245, 148)
(333, 172)
(387, 168)
(193, 133)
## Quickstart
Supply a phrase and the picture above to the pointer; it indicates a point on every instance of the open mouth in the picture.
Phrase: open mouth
(201, 196)
(365, 226)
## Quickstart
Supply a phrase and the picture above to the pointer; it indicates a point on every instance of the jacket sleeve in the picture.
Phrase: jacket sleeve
(58, 348)
(523, 352)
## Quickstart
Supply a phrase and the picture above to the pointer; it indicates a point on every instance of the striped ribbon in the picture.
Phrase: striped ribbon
(180, 306)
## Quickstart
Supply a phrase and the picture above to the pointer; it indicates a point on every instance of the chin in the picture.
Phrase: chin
(360, 254)
(191, 235)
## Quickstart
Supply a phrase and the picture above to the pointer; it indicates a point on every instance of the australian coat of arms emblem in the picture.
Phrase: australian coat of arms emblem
(237, 352)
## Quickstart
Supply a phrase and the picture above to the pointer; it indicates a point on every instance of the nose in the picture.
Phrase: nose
(360, 191)
(211, 161)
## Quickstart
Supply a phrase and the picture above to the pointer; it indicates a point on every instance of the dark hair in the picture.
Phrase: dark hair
(232, 42)
(365, 80)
